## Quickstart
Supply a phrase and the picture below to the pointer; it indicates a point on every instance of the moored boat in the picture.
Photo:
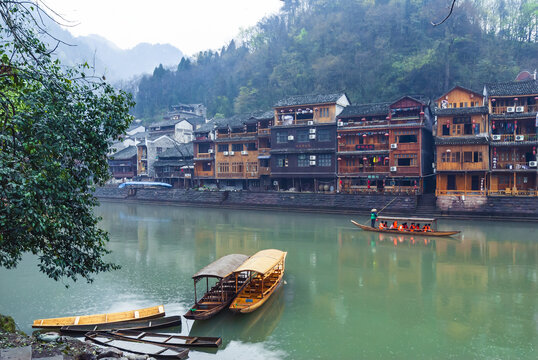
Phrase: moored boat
(150, 324)
(131, 315)
(266, 270)
(433, 232)
(153, 350)
(165, 339)
(220, 294)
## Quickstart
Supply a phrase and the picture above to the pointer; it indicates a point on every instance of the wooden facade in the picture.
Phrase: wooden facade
(385, 147)
(122, 164)
(513, 110)
(303, 141)
(462, 145)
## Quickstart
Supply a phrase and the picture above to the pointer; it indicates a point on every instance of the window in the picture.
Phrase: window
(350, 162)
(456, 157)
(477, 156)
(223, 147)
(237, 167)
(451, 182)
(252, 146)
(462, 120)
(206, 166)
(402, 139)
(203, 148)
(302, 160)
(476, 129)
(324, 159)
(159, 150)
(350, 140)
(468, 156)
(282, 161)
(282, 137)
(302, 135)
(446, 130)
(252, 167)
(237, 147)
(223, 167)
(323, 135)
(406, 159)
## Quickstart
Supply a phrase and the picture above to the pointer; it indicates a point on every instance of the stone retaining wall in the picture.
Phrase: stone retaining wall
(508, 206)
(312, 201)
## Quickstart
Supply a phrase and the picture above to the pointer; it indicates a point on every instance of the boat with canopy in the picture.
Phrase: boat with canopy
(220, 293)
(131, 315)
(265, 270)
(400, 220)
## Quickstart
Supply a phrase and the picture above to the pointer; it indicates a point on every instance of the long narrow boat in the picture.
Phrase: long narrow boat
(432, 221)
(131, 315)
(151, 324)
(219, 295)
(266, 270)
(153, 350)
(167, 339)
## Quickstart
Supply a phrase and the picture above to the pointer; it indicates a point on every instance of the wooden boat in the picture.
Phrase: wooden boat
(151, 324)
(140, 314)
(153, 350)
(432, 221)
(167, 339)
(219, 295)
(266, 270)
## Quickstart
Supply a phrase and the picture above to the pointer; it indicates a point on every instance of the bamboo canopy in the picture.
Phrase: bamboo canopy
(222, 267)
(427, 220)
(263, 261)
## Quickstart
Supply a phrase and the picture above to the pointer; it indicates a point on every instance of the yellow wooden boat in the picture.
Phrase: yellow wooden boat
(266, 270)
(140, 314)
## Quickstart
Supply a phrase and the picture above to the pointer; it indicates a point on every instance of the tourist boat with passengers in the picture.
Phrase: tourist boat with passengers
(400, 220)
(131, 315)
(223, 289)
(150, 324)
(265, 271)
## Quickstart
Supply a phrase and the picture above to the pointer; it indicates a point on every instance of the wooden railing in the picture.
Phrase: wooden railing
(462, 166)
(265, 132)
(512, 165)
(362, 147)
(230, 175)
(362, 169)
(234, 135)
(204, 155)
(358, 189)
(264, 151)
(439, 192)
(513, 192)
(512, 137)
(264, 170)
(504, 109)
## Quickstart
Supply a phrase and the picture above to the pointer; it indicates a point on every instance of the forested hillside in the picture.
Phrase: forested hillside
(375, 50)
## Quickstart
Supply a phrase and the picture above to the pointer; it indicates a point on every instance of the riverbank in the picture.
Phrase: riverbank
(455, 207)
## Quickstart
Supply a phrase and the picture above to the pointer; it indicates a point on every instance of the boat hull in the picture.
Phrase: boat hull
(165, 339)
(412, 233)
(150, 324)
(258, 304)
(111, 318)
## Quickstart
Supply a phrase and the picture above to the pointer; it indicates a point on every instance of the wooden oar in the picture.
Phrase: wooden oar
(366, 223)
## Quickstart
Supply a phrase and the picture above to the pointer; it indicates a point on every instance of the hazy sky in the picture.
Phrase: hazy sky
(189, 25)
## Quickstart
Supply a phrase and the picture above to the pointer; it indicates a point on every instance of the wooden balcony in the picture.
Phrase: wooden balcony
(504, 109)
(513, 138)
(264, 151)
(512, 166)
(439, 192)
(514, 192)
(462, 166)
(264, 132)
(236, 135)
(230, 175)
(264, 170)
(362, 147)
(397, 190)
(204, 155)
(362, 169)
(406, 170)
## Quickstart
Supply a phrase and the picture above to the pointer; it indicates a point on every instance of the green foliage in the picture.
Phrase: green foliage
(55, 125)
(374, 50)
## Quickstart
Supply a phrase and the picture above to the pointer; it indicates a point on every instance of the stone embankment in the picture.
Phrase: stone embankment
(516, 208)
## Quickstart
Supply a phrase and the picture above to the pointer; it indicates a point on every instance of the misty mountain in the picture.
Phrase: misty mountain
(108, 59)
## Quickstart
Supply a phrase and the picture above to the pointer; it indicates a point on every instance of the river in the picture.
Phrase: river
(348, 294)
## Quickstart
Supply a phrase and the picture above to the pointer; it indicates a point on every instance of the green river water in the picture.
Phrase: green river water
(348, 294)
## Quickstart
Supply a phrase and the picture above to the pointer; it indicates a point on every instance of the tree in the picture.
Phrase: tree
(55, 128)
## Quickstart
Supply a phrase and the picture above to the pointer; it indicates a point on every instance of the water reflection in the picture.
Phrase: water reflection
(398, 296)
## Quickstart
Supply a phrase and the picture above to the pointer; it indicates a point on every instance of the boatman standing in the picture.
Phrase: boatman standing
(373, 217)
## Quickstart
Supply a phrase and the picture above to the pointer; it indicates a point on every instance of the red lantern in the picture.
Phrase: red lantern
(534, 150)
(363, 135)
(516, 99)
(387, 118)
(338, 137)
(492, 100)
(368, 184)
(474, 126)
(422, 113)
(386, 134)
(364, 158)
(363, 119)
(339, 159)
(494, 125)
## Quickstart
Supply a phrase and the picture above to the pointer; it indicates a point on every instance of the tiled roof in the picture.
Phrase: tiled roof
(171, 163)
(462, 140)
(461, 111)
(208, 126)
(309, 99)
(164, 123)
(418, 98)
(124, 154)
(527, 87)
(460, 87)
(365, 109)
(178, 151)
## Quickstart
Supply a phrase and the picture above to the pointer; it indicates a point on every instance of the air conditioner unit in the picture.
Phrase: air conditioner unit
(533, 163)
(520, 137)
(310, 122)
(520, 108)
(225, 153)
(244, 152)
(312, 136)
(210, 151)
(393, 146)
(340, 123)
(312, 131)
(393, 168)
(496, 137)
(312, 162)
(510, 109)
(232, 153)
(312, 157)
(290, 138)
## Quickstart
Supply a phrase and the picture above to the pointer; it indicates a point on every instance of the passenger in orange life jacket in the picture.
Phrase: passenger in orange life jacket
(401, 227)
(417, 228)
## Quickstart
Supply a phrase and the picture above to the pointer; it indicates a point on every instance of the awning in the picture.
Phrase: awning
(262, 261)
(407, 219)
(264, 157)
(222, 267)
